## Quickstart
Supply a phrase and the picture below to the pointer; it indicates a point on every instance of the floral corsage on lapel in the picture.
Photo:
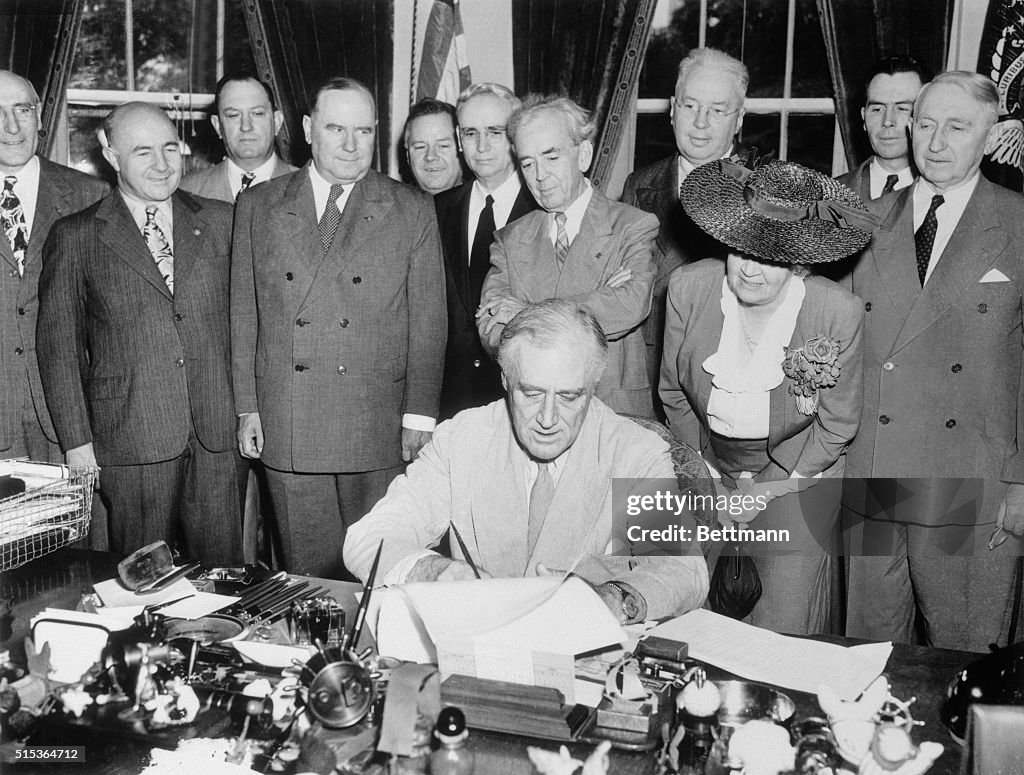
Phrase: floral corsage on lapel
(811, 368)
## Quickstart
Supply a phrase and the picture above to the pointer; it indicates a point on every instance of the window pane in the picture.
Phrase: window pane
(810, 62)
(161, 38)
(654, 139)
(753, 31)
(674, 32)
(83, 126)
(99, 61)
(810, 141)
(761, 132)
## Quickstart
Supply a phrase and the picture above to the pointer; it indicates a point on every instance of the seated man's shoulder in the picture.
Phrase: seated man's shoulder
(653, 174)
(478, 424)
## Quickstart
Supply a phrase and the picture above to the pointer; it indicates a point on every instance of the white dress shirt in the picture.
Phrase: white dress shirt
(263, 173)
(948, 215)
(573, 215)
(321, 195)
(164, 215)
(505, 197)
(26, 188)
(877, 176)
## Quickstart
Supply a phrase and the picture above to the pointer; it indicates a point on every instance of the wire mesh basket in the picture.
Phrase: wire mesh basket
(53, 512)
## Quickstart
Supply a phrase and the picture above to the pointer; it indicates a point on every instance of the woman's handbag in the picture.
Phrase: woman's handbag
(735, 584)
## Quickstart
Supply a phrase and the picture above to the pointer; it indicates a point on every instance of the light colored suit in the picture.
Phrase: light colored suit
(796, 589)
(611, 235)
(212, 182)
(473, 473)
(62, 191)
(943, 399)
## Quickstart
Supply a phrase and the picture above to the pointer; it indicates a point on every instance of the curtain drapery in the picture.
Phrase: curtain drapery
(37, 41)
(857, 34)
(298, 43)
(589, 50)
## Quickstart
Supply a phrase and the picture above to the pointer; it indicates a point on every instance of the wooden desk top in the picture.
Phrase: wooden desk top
(914, 671)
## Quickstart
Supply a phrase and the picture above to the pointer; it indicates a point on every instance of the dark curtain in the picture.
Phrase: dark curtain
(297, 43)
(589, 50)
(37, 41)
(857, 34)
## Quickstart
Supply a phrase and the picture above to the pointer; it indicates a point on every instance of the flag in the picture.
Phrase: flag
(444, 64)
(1001, 58)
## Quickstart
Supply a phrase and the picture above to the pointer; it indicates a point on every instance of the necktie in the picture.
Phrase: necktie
(924, 239)
(159, 247)
(890, 184)
(331, 217)
(247, 179)
(540, 499)
(480, 254)
(561, 240)
(13, 218)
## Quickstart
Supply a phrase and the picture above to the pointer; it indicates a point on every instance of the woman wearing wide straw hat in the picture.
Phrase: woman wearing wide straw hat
(762, 366)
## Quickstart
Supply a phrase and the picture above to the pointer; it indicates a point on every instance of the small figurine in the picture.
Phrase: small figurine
(562, 763)
(761, 747)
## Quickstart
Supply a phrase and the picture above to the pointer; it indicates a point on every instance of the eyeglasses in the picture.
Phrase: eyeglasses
(692, 109)
(492, 133)
(22, 111)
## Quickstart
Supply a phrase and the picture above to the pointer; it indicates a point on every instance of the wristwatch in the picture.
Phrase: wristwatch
(631, 601)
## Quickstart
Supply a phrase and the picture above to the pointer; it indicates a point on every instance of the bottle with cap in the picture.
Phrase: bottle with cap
(453, 757)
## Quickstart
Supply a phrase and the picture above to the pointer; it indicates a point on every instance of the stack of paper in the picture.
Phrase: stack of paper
(780, 660)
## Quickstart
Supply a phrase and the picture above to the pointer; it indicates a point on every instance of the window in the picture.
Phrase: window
(789, 102)
(174, 55)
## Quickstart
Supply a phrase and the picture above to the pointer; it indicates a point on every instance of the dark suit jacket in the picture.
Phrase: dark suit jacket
(124, 364)
(859, 179)
(471, 378)
(332, 350)
(655, 189)
(943, 391)
(693, 328)
(62, 191)
(611, 235)
(212, 182)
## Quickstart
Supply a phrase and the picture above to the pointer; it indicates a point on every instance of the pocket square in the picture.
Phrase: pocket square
(994, 276)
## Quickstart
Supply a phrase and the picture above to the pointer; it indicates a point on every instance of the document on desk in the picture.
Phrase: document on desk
(525, 631)
(780, 660)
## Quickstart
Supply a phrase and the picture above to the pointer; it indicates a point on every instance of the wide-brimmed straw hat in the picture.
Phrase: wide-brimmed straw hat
(779, 211)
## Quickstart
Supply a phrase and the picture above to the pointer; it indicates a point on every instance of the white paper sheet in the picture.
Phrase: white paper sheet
(765, 656)
(114, 594)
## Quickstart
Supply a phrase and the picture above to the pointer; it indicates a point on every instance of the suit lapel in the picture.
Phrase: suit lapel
(460, 263)
(524, 204)
(221, 186)
(975, 244)
(366, 206)
(889, 250)
(52, 204)
(124, 239)
(189, 225)
(585, 262)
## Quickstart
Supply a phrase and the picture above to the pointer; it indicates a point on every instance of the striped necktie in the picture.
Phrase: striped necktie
(561, 240)
(12, 216)
(247, 179)
(159, 247)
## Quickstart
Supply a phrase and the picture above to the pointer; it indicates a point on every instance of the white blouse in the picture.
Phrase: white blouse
(739, 406)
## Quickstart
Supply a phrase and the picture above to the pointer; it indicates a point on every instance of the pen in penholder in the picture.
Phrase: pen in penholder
(352, 640)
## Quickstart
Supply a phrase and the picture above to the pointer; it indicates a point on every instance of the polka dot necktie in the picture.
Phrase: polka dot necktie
(924, 239)
(331, 217)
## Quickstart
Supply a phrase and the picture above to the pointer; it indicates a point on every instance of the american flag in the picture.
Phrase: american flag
(444, 64)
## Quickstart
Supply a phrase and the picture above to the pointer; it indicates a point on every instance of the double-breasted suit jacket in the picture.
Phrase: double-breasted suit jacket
(796, 442)
(471, 377)
(333, 349)
(473, 474)
(612, 235)
(62, 191)
(943, 394)
(213, 183)
(125, 364)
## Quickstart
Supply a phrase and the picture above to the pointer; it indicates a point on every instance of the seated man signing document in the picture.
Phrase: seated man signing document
(527, 482)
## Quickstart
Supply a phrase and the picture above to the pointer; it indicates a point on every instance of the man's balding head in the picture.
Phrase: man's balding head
(19, 122)
(143, 148)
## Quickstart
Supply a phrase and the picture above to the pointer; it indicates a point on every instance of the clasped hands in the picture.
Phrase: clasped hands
(499, 308)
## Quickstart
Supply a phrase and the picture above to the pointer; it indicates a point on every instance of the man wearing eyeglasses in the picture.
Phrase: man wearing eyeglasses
(34, 193)
(581, 246)
(706, 113)
(468, 217)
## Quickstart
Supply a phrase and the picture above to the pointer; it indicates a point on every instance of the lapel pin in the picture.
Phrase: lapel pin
(367, 217)
(197, 232)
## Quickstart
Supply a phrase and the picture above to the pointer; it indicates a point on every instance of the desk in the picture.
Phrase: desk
(59, 579)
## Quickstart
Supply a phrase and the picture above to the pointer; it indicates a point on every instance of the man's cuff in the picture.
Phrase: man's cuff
(419, 422)
(401, 569)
